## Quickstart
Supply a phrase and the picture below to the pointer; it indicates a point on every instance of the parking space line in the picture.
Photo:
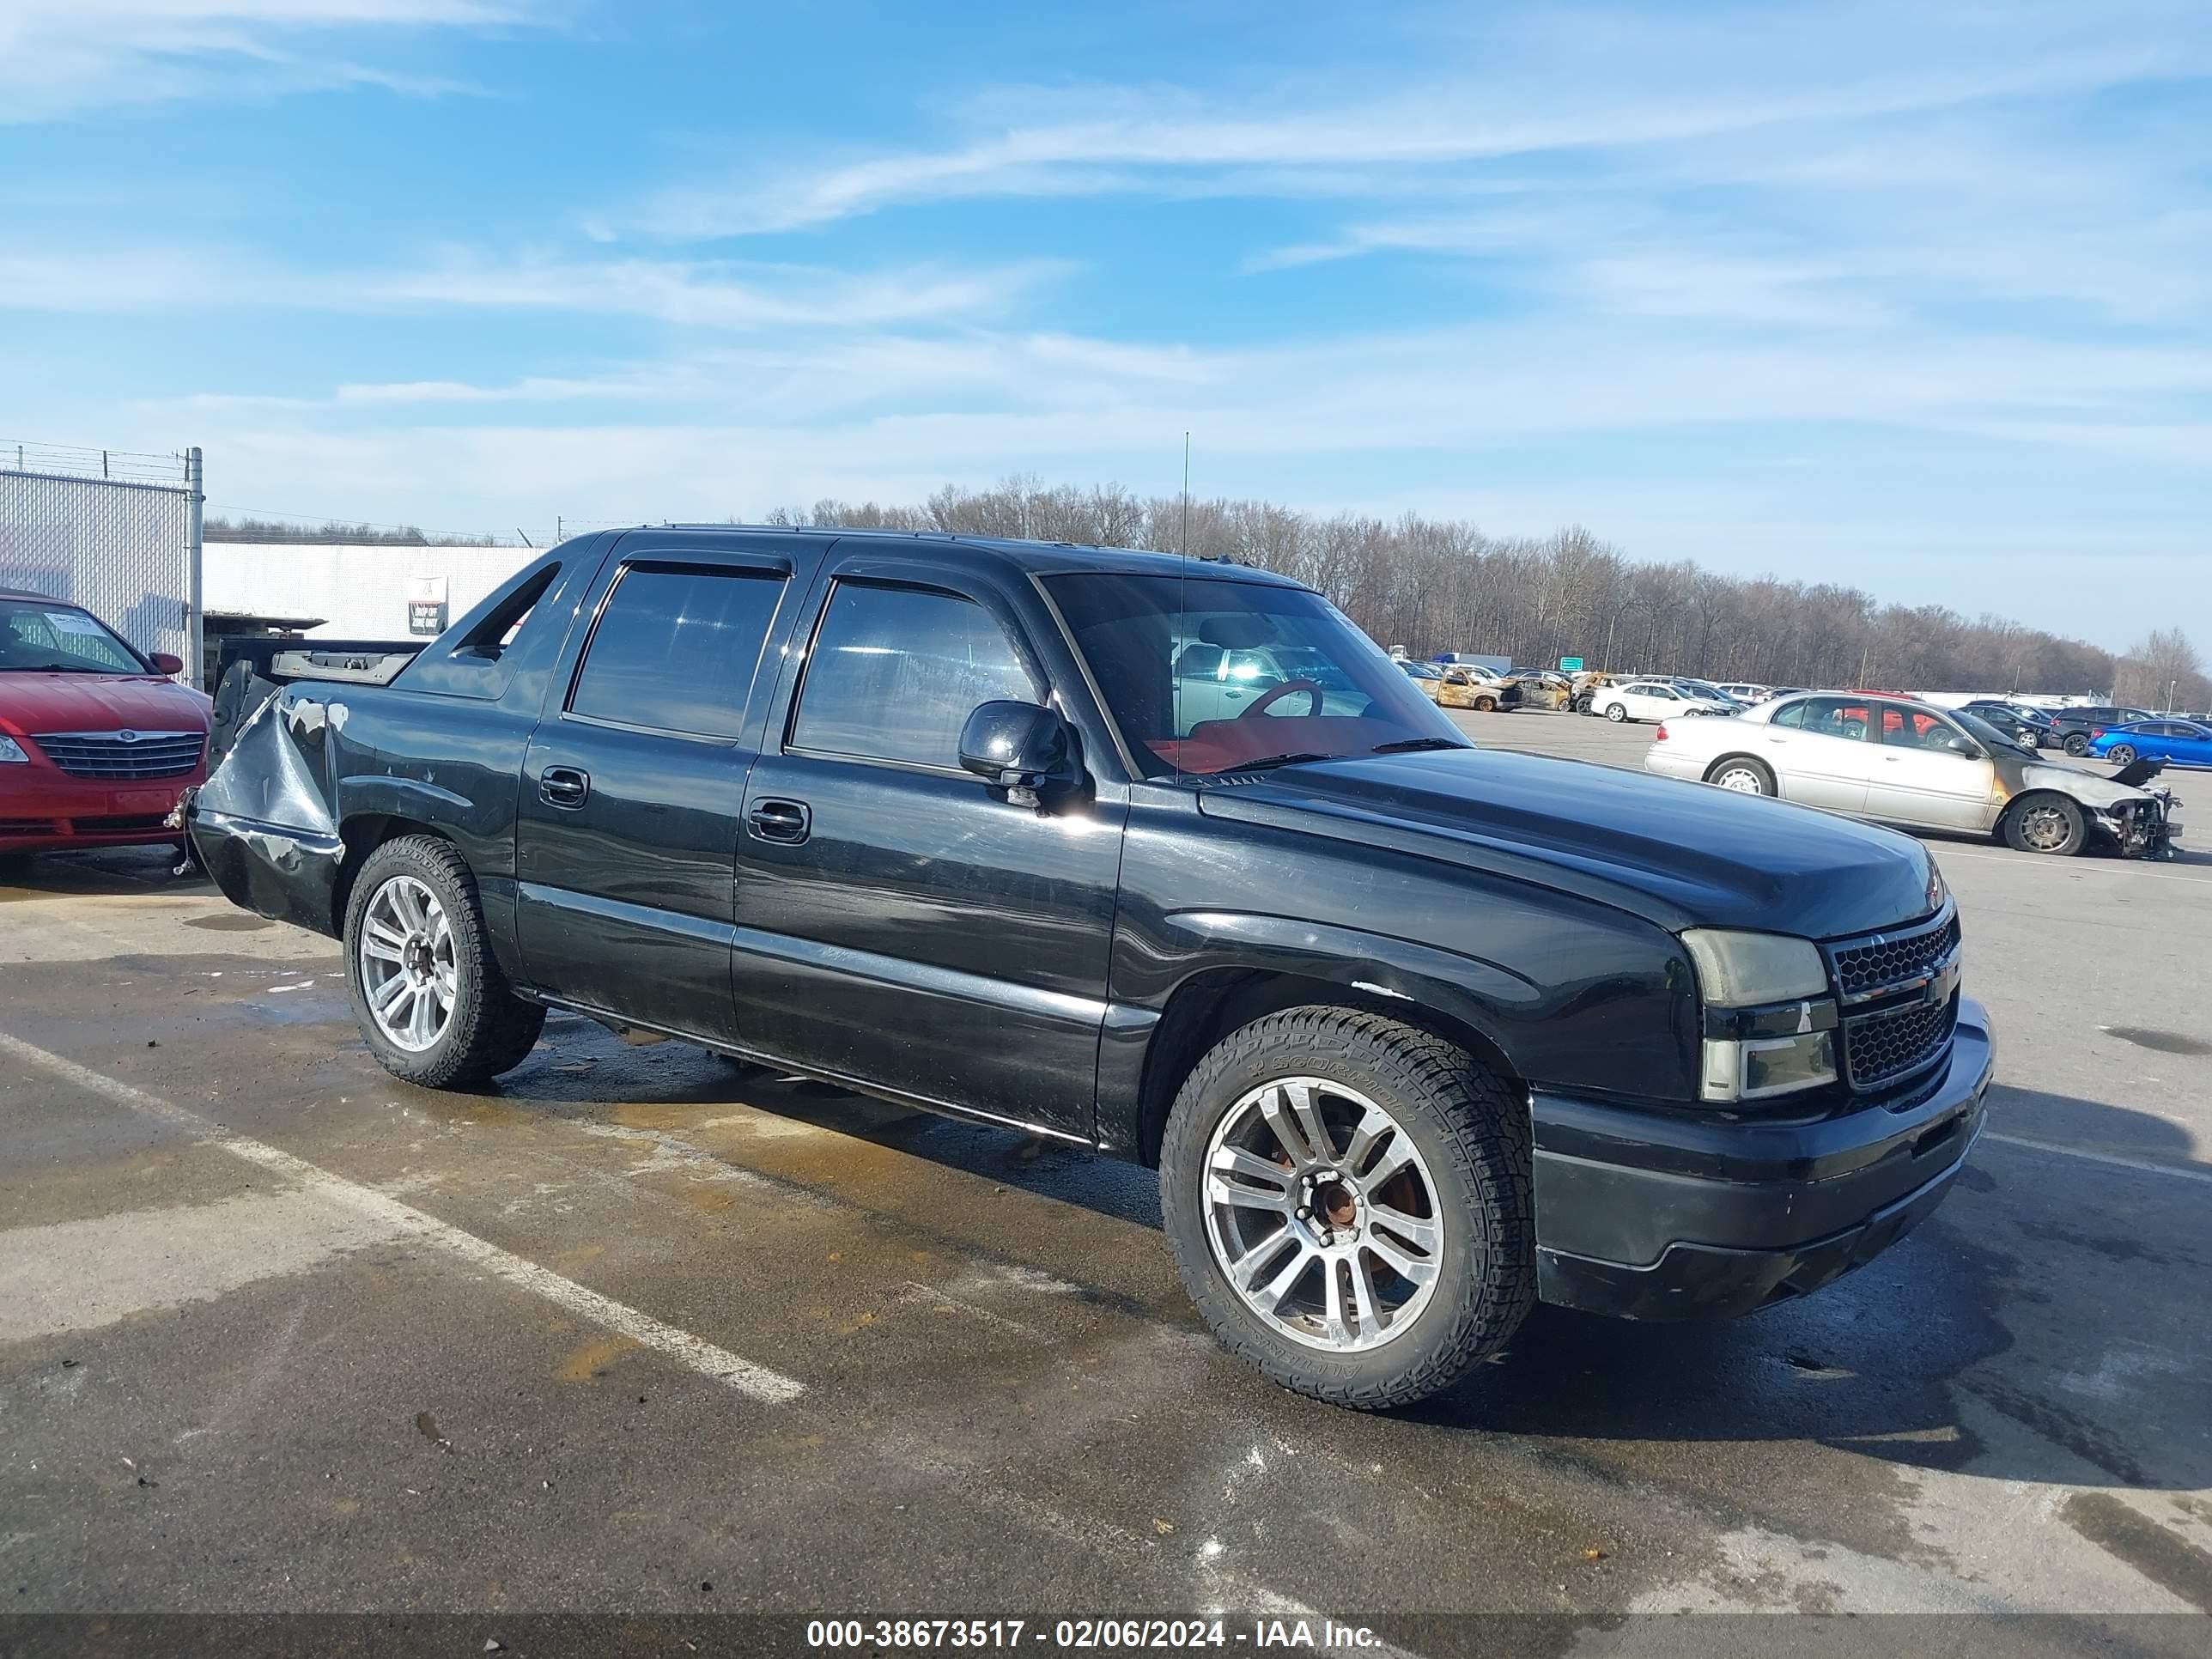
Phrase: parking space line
(2113, 867)
(757, 1382)
(2117, 1160)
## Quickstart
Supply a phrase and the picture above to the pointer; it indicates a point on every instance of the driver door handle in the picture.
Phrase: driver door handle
(787, 823)
(563, 786)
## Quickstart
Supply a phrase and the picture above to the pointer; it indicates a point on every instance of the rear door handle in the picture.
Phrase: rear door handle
(563, 786)
(787, 823)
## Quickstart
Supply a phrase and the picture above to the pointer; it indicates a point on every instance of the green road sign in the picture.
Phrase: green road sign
(1571, 665)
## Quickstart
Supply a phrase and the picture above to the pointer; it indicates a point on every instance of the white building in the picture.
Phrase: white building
(348, 590)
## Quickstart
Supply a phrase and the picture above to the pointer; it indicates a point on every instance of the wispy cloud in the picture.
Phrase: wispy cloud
(1591, 82)
(73, 56)
(720, 295)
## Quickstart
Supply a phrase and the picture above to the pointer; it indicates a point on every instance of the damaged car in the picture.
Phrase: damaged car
(1417, 1034)
(1909, 762)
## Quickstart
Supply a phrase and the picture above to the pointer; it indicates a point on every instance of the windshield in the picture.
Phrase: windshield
(1203, 674)
(1991, 736)
(39, 636)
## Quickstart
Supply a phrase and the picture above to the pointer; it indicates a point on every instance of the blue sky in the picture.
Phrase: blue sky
(1911, 295)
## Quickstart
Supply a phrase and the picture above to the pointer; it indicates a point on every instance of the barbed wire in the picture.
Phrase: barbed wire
(82, 461)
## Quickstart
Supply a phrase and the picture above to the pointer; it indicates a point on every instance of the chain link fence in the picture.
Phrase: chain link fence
(117, 533)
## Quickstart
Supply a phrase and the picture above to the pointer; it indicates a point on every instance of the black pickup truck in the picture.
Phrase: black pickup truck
(1417, 1034)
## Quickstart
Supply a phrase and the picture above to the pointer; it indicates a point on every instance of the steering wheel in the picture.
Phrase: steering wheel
(1270, 698)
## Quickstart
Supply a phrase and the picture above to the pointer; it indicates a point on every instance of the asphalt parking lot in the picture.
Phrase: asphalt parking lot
(642, 1331)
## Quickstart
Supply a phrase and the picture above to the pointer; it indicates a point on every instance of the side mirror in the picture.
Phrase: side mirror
(1965, 747)
(168, 662)
(1027, 751)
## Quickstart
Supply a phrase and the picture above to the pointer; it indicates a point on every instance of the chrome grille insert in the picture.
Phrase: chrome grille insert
(122, 756)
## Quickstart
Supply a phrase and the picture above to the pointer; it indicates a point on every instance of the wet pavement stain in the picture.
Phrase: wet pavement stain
(2112, 1247)
(2164, 1043)
(235, 922)
(2149, 1548)
(594, 1359)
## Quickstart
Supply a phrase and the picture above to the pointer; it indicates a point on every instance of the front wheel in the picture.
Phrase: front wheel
(1350, 1203)
(1616, 712)
(427, 993)
(2046, 824)
(1743, 775)
(2121, 754)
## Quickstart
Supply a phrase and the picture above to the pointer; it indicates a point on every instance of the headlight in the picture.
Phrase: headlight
(12, 751)
(1742, 970)
(1769, 1022)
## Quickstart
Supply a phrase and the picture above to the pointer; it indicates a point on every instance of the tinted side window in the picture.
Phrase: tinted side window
(675, 647)
(1834, 717)
(896, 672)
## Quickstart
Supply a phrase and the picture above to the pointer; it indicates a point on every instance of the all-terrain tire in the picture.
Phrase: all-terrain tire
(490, 1030)
(1472, 1130)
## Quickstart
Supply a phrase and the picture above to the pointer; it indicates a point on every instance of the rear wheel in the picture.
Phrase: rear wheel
(1349, 1200)
(2121, 754)
(2046, 824)
(2077, 744)
(1743, 775)
(1616, 712)
(427, 993)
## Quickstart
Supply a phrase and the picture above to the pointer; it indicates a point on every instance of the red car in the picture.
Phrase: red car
(96, 743)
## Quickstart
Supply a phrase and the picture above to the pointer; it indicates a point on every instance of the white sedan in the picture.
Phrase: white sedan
(1651, 700)
(1909, 762)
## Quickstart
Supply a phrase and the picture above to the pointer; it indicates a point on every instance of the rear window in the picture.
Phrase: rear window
(675, 647)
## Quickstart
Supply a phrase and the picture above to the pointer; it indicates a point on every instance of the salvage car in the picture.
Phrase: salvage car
(1417, 1034)
(1906, 761)
(1655, 700)
(1471, 688)
(97, 743)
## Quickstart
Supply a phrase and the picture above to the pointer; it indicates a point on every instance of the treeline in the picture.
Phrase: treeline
(359, 535)
(1442, 585)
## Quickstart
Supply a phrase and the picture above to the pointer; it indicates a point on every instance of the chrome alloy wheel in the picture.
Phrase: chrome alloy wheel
(407, 970)
(2044, 828)
(1323, 1215)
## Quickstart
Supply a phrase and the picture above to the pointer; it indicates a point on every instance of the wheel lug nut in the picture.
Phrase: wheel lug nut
(1305, 1213)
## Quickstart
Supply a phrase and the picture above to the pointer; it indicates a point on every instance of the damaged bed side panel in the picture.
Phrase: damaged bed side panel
(262, 825)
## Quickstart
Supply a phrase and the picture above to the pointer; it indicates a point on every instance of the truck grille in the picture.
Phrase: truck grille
(112, 755)
(1880, 1048)
(1900, 1001)
(1866, 969)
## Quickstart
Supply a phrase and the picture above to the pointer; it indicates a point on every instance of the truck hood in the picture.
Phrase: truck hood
(1680, 855)
(98, 703)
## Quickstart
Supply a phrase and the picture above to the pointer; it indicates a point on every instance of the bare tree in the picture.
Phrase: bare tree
(1441, 583)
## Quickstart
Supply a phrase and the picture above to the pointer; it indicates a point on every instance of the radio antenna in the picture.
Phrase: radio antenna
(1186, 494)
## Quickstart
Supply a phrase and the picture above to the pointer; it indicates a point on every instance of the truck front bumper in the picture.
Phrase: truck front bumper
(1651, 1214)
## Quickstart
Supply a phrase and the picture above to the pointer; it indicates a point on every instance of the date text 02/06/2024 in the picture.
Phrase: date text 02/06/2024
(1308, 1634)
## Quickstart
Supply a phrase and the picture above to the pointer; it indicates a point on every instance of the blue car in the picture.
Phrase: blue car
(2178, 743)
